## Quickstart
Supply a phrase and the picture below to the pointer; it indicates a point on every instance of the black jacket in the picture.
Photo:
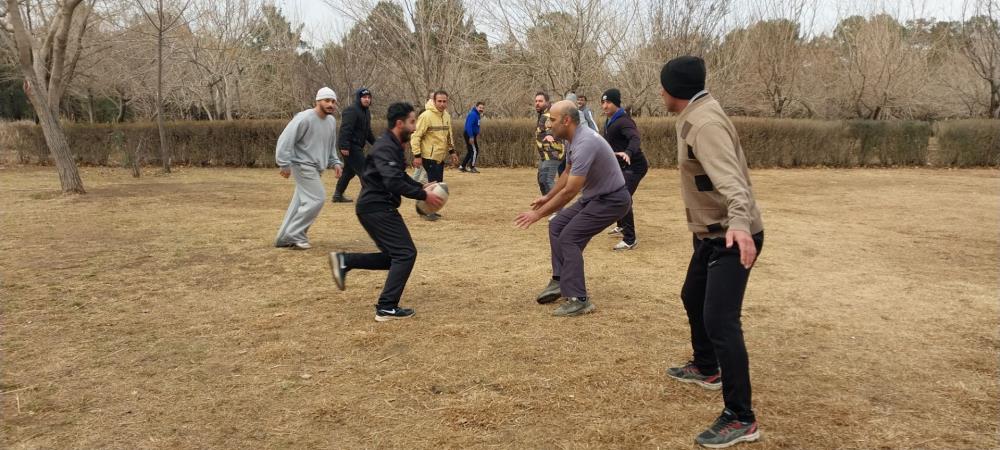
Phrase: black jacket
(623, 136)
(355, 126)
(384, 180)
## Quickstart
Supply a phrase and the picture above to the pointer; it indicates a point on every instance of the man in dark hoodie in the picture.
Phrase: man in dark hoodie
(355, 131)
(383, 182)
(623, 135)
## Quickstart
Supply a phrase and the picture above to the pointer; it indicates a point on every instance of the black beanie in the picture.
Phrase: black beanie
(614, 96)
(683, 77)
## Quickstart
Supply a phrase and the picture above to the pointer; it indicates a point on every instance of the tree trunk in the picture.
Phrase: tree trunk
(55, 138)
(122, 108)
(164, 151)
(995, 100)
(90, 105)
(227, 104)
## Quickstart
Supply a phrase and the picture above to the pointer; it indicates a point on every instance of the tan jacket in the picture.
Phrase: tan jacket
(715, 181)
(433, 137)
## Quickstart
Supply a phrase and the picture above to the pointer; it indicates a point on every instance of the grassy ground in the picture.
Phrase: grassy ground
(154, 313)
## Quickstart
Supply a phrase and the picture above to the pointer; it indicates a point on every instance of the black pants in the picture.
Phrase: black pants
(633, 175)
(354, 164)
(471, 152)
(397, 253)
(713, 298)
(435, 170)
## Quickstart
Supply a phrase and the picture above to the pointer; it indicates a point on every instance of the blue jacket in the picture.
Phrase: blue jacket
(472, 123)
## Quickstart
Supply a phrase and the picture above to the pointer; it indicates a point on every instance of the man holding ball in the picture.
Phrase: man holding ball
(383, 183)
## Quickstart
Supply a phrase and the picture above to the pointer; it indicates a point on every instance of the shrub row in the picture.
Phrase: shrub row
(968, 143)
(510, 142)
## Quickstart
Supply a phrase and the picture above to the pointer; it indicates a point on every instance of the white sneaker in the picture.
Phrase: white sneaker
(624, 246)
(616, 231)
(301, 246)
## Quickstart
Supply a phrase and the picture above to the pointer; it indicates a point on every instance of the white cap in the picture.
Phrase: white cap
(325, 93)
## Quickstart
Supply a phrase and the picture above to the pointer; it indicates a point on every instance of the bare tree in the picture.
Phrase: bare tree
(980, 44)
(47, 39)
(882, 72)
(773, 51)
(219, 50)
(659, 32)
(163, 19)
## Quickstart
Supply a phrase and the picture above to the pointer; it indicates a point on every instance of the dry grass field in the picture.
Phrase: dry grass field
(154, 313)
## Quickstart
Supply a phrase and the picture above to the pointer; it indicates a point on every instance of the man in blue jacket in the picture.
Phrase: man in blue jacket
(472, 138)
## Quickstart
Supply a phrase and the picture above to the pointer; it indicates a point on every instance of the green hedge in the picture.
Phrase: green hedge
(510, 142)
(968, 143)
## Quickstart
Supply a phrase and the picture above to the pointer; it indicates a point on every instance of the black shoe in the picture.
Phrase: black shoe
(385, 315)
(337, 269)
(474, 170)
(728, 431)
(342, 199)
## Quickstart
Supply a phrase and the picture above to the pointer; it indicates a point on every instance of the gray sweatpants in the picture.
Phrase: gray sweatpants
(305, 206)
(573, 228)
(548, 171)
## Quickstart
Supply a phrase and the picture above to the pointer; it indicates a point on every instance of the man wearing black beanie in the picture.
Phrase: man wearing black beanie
(623, 135)
(728, 234)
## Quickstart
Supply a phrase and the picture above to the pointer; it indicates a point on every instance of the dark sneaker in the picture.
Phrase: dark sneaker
(338, 269)
(550, 294)
(574, 307)
(727, 431)
(385, 315)
(474, 170)
(461, 169)
(689, 373)
(342, 199)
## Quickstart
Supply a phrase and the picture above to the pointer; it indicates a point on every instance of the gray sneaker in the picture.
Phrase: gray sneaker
(338, 269)
(574, 307)
(728, 431)
(550, 294)
(689, 373)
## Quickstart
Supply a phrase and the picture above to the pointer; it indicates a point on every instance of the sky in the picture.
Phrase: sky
(323, 24)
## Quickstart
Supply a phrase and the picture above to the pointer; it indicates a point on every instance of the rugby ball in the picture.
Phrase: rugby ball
(441, 190)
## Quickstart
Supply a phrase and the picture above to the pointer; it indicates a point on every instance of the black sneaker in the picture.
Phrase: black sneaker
(727, 431)
(342, 199)
(385, 315)
(689, 373)
(338, 269)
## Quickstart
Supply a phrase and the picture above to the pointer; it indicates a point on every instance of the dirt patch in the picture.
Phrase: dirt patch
(154, 313)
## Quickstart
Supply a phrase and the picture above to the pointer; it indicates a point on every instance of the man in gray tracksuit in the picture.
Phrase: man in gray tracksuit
(305, 148)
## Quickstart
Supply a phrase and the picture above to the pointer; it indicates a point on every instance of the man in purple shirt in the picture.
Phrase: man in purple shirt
(592, 170)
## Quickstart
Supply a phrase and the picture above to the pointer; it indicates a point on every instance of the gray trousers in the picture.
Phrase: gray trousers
(305, 206)
(573, 228)
(548, 171)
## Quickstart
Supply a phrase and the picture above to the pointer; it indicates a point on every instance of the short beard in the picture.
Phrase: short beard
(404, 136)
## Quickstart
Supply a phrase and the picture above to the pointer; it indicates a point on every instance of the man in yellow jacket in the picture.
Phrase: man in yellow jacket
(432, 141)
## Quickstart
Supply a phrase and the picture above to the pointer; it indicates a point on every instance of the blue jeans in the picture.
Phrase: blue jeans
(548, 171)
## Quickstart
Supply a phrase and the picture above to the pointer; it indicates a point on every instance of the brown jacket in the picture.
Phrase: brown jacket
(715, 181)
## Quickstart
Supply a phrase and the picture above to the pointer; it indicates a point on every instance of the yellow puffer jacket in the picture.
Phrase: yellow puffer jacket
(433, 137)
